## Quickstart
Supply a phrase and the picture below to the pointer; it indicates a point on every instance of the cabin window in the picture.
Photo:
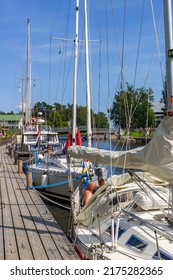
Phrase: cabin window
(163, 256)
(136, 243)
(31, 138)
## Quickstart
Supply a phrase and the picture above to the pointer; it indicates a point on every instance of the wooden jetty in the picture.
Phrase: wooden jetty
(142, 140)
(28, 230)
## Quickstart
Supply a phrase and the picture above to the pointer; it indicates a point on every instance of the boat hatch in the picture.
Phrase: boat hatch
(163, 256)
(136, 243)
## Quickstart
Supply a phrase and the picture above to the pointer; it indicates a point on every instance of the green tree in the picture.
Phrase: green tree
(44, 108)
(64, 112)
(55, 119)
(81, 115)
(101, 120)
(10, 113)
(132, 108)
(58, 115)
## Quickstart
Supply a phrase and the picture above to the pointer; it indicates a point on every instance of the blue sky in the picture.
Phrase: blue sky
(52, 72)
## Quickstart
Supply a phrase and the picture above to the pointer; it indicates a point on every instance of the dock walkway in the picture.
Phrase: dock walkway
(28, 230)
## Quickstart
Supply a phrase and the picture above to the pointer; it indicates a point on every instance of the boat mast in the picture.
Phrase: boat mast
(88, 95)
(22, 99)
(75, 72)
(169, 64)
(28, 79)
(169, 54)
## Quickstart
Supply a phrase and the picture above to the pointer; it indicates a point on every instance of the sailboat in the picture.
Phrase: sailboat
(35, 136)
(54, 175)
(130, 217)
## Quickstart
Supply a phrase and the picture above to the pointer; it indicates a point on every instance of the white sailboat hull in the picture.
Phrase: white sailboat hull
(60, 182)
(56, 182)
(89, 245)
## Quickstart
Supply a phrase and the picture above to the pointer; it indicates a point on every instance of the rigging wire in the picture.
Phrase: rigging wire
(100, 56)
(67, 28)
(50, 47)
(156, 36)
(108, 76)
(158, 50)
(129, 113)
(137, 58)
(117, 41)
(140, 32)
(62, 56)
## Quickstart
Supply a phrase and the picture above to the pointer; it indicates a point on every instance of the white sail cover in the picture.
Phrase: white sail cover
(156, 157)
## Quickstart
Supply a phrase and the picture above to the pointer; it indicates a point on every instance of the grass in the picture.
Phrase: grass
(139, 134)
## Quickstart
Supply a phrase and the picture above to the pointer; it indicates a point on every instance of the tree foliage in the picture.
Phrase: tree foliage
(58, 115)
(101, 120)
(132, 108)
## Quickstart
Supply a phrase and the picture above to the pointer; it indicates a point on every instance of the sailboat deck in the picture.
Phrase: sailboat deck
(28, 231)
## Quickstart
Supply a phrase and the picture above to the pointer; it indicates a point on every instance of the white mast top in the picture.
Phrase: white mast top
(28, 78)
(169, 53)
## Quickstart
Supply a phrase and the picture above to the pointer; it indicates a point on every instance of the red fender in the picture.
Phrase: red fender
(69, 140)
(78, 138)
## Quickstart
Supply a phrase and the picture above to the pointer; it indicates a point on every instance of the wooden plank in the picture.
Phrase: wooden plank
(45, 240)
(10, 245)
(23, 244)
(65, 248)
(38, 250)
(1, 227)
(34, 238)
(28, 228)
(34, 199)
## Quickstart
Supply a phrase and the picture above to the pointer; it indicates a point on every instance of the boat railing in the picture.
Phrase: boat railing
(153, 227)
(34, 128)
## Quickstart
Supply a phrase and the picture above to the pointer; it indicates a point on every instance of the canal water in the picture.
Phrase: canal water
(63, 215)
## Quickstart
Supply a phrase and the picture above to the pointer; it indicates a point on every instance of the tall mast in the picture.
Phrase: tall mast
(169, 53)
(169, 64)
(22, 98)
(28, 78)
(88, 94)
(75, 72)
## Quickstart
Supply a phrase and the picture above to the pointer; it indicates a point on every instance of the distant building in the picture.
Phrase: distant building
(157, 108)
(10, 121)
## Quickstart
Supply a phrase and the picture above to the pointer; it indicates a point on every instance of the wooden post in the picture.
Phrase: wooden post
(15, 158)
(29, 179)
(9, 150)
(20, 166)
